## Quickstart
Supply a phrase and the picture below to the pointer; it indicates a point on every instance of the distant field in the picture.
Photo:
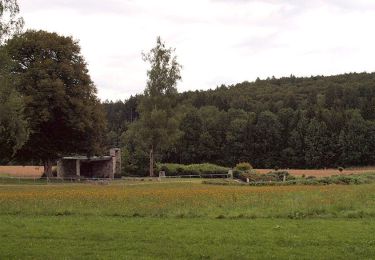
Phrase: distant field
(152, 220)
(21, 171)
(323, 172)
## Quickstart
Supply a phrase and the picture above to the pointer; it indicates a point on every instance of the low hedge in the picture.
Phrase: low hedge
(275, 176)
(173, 169)
(353, 179)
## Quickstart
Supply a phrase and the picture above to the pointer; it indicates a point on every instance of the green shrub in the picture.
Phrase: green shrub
(236, 173)
(272, 179)
(252, 176)
(243, 166)
(269, 177)
(179, 171)
(279, 175)
(172, 169)
(163, 168)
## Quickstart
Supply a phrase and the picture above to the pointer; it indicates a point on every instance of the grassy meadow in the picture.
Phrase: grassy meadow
(171, 220)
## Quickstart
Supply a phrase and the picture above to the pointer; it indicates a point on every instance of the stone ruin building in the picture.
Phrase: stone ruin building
(90, 167)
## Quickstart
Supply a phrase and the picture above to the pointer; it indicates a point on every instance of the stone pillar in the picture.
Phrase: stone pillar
(230, 174)
(116, 157)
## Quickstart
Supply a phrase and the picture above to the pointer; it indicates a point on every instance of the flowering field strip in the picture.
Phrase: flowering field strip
(190, 200)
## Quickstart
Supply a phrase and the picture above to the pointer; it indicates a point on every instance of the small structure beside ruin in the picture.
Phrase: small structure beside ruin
(90, 167)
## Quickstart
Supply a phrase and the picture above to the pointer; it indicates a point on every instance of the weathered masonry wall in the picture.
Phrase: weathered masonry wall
(97, 169)
(86, 168)
(66, 168)
(93, 167)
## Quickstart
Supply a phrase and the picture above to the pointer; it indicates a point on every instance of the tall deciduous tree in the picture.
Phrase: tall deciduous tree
(61, 106)
(158, 126)
(13, 126)
(268, 138)
(353, 140)
(316, 143)
(10, 21)
(192, 127)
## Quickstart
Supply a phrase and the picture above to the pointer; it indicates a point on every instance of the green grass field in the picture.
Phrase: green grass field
(190, 220)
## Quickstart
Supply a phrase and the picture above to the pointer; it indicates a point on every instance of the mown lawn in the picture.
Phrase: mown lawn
(187, 220)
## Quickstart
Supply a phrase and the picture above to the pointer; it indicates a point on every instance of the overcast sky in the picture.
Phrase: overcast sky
(217, 41)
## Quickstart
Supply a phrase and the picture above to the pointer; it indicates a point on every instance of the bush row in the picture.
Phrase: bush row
(336, 179)
(269, 177)
(172, 169)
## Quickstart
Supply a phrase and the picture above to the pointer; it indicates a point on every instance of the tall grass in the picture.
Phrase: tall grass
(190, 200)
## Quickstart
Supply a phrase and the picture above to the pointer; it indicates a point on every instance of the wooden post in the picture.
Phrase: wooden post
(78, 168)
(152, 162)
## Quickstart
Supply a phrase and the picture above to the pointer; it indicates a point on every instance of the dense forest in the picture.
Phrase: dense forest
(290, 122)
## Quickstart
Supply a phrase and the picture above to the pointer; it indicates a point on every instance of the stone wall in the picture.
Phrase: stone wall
(91, 169)
(66, 168)
(102, 169)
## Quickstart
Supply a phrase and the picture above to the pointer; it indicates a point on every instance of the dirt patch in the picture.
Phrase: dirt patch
(21, 171)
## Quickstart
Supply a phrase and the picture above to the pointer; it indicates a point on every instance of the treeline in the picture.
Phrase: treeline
(290, 122)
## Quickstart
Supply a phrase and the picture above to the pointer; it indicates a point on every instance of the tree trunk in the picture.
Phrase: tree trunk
(48, 168)
(152, 162)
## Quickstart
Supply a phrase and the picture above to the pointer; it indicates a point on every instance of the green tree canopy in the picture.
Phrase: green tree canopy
(316, 143)
(13, 126)
(353, 140)
(61, 106)
(304, 122)
(158, 125)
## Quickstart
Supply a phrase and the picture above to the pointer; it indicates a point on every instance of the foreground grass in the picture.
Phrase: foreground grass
(187, 220)
(46, 237)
